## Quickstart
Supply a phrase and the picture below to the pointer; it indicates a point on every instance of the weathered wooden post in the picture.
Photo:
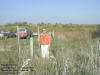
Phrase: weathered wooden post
(38, 37)
(53, 34)
(98, 44)
(18, 41)
(31, 46)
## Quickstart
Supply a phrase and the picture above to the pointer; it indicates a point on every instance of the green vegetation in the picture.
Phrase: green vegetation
(73, 57)
(51, 27)
(74, 49)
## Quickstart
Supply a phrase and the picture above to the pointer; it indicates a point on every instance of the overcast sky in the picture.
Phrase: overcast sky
(50, 11)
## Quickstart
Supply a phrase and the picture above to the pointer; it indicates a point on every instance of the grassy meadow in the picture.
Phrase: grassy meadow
(75, 51)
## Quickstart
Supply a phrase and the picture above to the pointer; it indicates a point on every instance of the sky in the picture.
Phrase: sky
(50, 11)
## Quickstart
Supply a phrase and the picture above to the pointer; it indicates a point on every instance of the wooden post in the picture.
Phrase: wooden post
(31, 46)
(38, 37)
(18, 41)
(53, 34)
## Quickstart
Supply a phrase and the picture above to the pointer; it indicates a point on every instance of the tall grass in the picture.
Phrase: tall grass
(71, 57)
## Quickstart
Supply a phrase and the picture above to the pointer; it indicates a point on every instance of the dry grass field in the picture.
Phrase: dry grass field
(75, 53)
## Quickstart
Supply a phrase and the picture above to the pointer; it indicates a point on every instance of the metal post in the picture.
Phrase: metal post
(31, 46)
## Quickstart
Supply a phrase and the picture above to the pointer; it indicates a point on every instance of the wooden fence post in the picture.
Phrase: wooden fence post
(18, 41)
(31, 46)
